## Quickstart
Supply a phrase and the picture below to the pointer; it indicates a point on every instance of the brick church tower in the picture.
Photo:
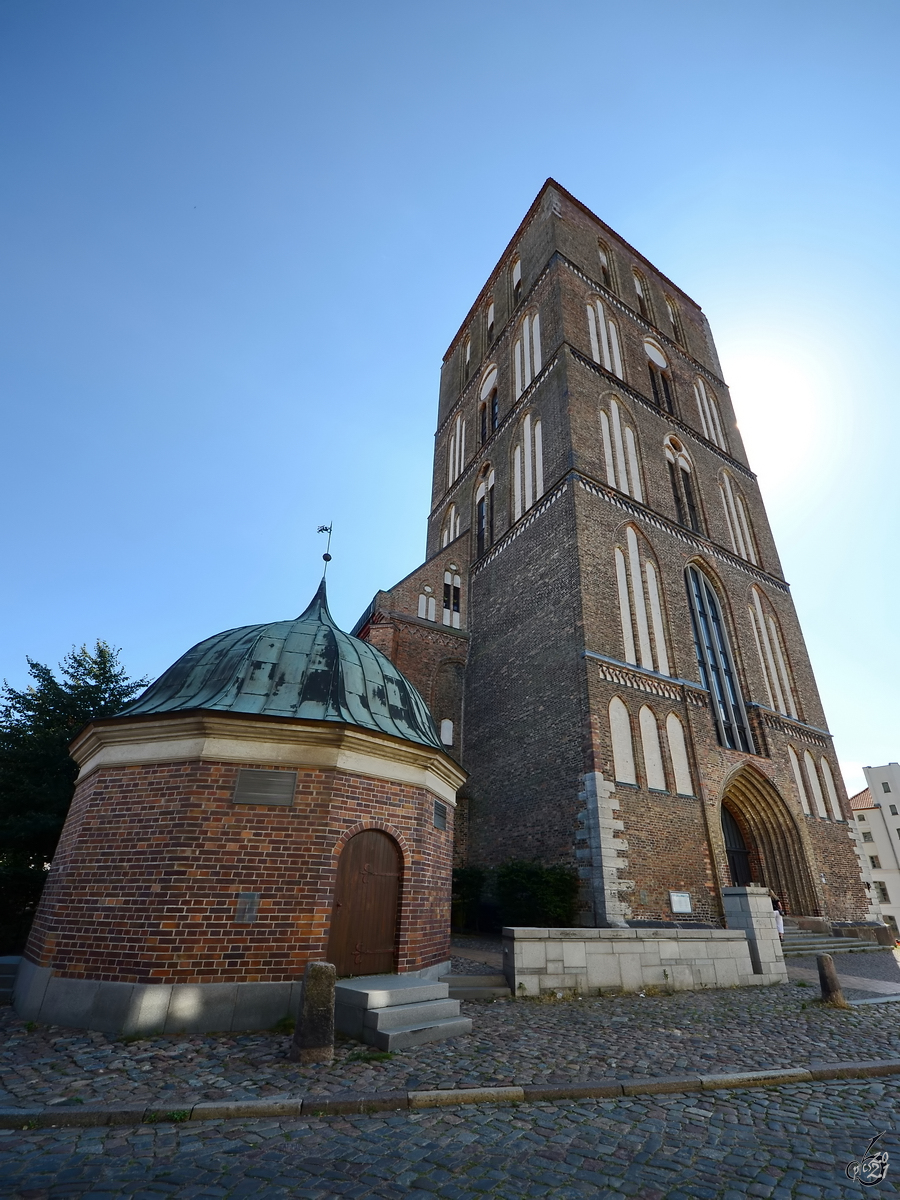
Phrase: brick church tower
(602, 627)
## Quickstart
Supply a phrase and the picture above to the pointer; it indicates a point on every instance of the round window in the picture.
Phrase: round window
(655, 354)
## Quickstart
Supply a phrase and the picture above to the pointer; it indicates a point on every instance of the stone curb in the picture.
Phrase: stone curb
(369, 1102)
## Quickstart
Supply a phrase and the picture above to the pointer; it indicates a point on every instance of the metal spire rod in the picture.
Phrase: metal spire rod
(326, 556)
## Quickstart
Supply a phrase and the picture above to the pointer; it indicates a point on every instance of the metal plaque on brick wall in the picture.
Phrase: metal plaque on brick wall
(265, 787)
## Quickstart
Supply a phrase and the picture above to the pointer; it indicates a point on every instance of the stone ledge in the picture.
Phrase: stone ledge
(34, 1117)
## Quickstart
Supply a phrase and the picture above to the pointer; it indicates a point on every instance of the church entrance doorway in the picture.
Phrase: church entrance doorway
(763, 843)
(363, 935)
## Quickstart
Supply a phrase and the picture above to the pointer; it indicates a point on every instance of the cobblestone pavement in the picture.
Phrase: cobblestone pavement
(792, 1142)
(513, 1042)
(882, 966)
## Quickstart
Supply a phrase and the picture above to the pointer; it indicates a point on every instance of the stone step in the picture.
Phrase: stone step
(474, 980)
(410, 1016)
(385, 991)
(477, 987)
(416, 1035)
(480, 993)
(835, 946)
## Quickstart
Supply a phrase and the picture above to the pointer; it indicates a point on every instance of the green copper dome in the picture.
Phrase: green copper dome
(307, 668)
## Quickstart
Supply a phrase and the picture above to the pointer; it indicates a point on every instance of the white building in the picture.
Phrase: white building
(877, 813)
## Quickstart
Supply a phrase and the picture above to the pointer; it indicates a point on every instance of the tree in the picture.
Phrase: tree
(37, 776)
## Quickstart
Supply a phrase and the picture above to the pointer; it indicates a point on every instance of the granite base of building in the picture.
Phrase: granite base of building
(152, 1008)
(607, 961)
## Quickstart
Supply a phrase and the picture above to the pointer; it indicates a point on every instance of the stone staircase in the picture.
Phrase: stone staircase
(8, 968)
(393, 1012)
(802, 943)
(477, 987)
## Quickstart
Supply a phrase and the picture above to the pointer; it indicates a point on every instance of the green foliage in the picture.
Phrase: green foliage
(530, 894)
(468, 885)
(37, 776)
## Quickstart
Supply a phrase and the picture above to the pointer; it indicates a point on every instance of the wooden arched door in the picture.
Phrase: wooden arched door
(363, 935)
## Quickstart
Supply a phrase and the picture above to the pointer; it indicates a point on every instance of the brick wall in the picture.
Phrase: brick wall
(144, 885)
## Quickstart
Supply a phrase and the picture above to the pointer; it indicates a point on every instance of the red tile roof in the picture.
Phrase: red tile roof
(862, 800)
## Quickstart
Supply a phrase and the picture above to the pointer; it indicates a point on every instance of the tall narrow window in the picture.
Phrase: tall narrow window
(660, 382)
(681, 479)
(467, 355)
(678, 754)
(452, 590)
(831, 789)
(640, 291)
(517, 281)
(484, 511)
(714, 658)
(620, 451)
(674, 322)
(736, 520)
(483, 423)
(456, 451)
(489, 403)
(528, 467)
(813, 776)
(489, 322)
(527, 352)
(643, 629)
(494, 402)
(427, 604)
(653, 763)
(604, 335)
(622, 745)
(772, 662)
(450, 528)
(709, 414)
(605, 259)
(798, 779)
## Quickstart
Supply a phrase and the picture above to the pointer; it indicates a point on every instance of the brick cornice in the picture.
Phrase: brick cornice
(222, 737)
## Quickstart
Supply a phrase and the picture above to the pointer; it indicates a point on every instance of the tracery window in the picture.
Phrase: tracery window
(606, 274)
(660, 380)
(772, 662)
(488, 413)
(528, 466)
(452, 592)
(484, 511)
(640, 607)
(681, 480)
(640, 291)
(716, 664)
(620, 451)
(427, 604)
(604, 335)
(674, 320)
(527, 352)
(736, 519)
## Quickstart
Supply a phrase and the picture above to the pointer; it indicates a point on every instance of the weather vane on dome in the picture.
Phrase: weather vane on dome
(326, 556)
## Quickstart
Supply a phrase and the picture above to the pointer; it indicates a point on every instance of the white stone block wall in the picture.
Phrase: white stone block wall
(592, 961)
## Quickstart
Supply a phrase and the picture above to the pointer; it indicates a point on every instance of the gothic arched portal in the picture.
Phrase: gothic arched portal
(754, 813)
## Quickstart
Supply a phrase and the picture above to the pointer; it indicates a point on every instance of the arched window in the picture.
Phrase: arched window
(484, 511)
(622, 745)
(456, 450)
(653, 763)
(527, 352)
(798, 779)
(813, 776)
(641, 294)
(489, 322)
(488, 413)
(528, 466)
(452, 592)
(674, 320)
(450, 528)
(604, 335)
(516, 281)
(660, 380)
(736, 519)
(606, 272)
(620, 452)
(708, 409)
(771, 657)
(681, 479)
(831, 789)
(640, 611)
(467, 355)
(714, 658)
(678, 754)
(427, 603)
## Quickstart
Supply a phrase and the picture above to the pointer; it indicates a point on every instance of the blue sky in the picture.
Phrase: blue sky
(237, 238)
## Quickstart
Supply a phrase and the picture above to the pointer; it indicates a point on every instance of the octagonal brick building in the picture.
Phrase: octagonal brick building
(279, 795)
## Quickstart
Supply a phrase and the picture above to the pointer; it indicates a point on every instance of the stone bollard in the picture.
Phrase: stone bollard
(829, 982)
(314, 1034)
